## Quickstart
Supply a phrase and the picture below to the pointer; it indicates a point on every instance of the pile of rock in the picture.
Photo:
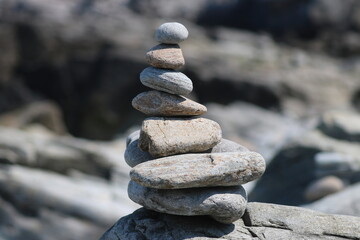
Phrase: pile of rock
(193, 171)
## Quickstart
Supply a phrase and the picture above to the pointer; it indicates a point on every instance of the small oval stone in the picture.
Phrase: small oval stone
(157, 103)
(167, 56)
(225, 204)
(171, 33)
(323, 187)
(166, 80)
(199, 170)
(168, 136)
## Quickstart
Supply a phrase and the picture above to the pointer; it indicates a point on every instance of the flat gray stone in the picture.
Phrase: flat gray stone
(224, 204)
(134, 156)
(199, 170)
(171, 33)
(157, 103)
(168, 136)
(166, 80)
(168, 56)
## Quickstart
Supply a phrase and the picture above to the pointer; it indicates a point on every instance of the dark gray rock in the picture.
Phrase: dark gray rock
(166, 80)
(200, 170)
(261, 222)
(171, 33)
(224, 204)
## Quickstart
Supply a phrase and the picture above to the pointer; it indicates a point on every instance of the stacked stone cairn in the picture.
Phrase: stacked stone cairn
(181, 164)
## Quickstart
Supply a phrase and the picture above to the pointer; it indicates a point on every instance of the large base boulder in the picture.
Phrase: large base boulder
(261, 221)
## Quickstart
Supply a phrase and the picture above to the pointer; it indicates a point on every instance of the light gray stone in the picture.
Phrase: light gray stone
(168, 136)
(157, 103)
(199, 170)
(171, 33)
(166, 80)
(261, 221)
(224, 204)
(167, 56)
(134, 156)
(323, 187)
(228, 146)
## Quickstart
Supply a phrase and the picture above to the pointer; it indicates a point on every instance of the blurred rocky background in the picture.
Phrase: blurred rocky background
(281, 77)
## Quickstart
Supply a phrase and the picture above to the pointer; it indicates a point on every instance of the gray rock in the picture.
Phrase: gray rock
(166, 80)
(167, 56)
(261, 222)
(323, 187)
(199, 170)
(157, 103)
(132, 137)
(228, 146)
(341, 125)
(224, 204)
(168, 136)
(134, 156)
(171, 33)
(346, 202)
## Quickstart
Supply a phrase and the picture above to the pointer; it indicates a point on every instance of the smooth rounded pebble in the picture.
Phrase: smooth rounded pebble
(171, 33)
(323, 187)
(199, 170)
(157, 103)
(166, 80)
(225, 204)
(168, 136)
(167, 56)
(132, 137)
(134, 156)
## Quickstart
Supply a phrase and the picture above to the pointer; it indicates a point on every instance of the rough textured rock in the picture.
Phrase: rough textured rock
(134, 156)
(157, 103)
(171, 33)
(341, 125)
(165, 56)
(261, 222)
(225, 205)
(199, 170)
(169, 81)
(323, 187)
(169, 136)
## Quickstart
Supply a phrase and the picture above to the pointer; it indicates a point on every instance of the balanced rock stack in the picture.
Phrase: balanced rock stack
(181, 164)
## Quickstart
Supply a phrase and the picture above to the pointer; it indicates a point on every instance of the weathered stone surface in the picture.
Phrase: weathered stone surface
(171, 33)
(157, 103)
(323, 187)
(168, 136)
(261, 222)
(224, 204)
(134, 156)
(199, 170)
(167, 56)
(166, 80)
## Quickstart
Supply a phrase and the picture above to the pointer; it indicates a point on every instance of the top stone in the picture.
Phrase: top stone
(171, 33)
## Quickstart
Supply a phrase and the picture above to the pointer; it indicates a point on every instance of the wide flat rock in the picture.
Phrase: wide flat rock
(261, 221)
(157, 103)
(224, 204)
(166, 80)
(134, 156)
(199, 170)
(168, 136)
(167, 56)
